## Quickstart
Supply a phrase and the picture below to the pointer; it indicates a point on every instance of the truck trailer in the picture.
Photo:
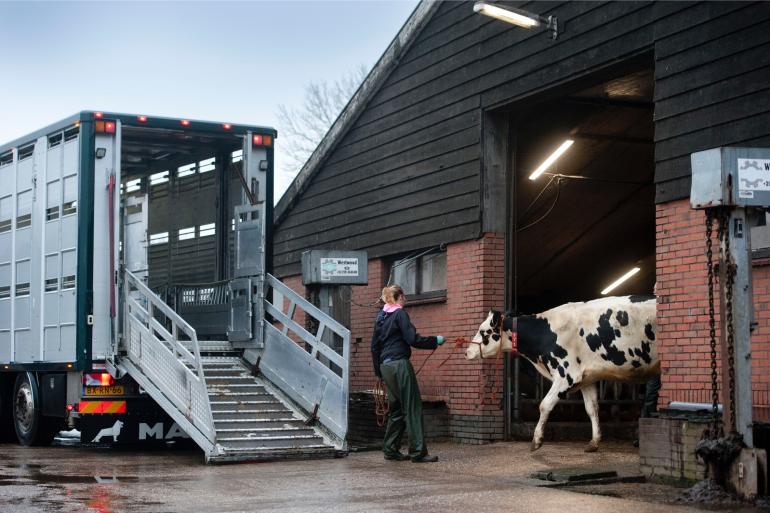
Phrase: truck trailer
(136, 300)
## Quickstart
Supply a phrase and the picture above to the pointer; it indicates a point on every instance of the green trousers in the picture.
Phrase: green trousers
(405, 408)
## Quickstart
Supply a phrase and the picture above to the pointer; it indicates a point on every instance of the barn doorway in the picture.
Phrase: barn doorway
(583, 223)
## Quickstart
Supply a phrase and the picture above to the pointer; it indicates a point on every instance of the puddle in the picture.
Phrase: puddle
(33, 474)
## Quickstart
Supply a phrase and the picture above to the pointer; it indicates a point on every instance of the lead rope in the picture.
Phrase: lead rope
(381, 408)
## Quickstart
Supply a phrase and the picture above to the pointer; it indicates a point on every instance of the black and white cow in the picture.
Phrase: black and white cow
(575, 346)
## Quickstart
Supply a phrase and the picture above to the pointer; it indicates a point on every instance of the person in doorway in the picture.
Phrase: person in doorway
(394, 336)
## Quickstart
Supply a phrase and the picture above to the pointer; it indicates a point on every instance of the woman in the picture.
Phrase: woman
(394, 336)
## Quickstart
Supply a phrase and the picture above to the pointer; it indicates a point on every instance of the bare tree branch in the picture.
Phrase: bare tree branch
(302, 128)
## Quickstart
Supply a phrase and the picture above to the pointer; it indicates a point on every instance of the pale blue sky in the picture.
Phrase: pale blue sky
(219, 61)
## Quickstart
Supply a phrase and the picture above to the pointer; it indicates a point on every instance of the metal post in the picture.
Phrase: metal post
(743, 314)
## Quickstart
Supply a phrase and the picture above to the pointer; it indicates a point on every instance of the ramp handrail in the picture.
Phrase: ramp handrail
(154, 347)
(306, 379)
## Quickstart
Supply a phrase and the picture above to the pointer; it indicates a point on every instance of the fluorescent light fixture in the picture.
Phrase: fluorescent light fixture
(621, 280)
(551, 159)
(505, 15)
(517, 17)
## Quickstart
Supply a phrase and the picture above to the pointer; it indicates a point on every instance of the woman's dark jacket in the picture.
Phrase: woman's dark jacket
(393, 335)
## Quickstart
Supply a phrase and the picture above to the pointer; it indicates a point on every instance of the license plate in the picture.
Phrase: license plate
(102, 391)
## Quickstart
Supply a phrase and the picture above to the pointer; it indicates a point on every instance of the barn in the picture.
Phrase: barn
(429, 169)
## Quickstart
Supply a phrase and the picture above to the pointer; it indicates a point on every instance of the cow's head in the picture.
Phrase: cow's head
(490, 338)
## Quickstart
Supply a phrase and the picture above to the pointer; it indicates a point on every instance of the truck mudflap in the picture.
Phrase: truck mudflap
(125, 421)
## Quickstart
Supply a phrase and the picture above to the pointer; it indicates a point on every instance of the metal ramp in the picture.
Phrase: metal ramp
(233, 409)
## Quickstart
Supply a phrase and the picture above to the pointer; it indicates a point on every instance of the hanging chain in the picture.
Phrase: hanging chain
(712, 320)
(729, 281)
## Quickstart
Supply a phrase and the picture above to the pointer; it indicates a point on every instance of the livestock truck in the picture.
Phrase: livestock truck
(136, 301)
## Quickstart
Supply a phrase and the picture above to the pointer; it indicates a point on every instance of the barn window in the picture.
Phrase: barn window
(422, 276)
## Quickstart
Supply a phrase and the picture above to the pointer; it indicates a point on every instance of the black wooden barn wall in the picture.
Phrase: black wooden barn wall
(407, 173)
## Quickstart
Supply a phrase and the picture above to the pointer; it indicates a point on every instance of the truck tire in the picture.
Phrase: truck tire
(32, 428)
(7, 433)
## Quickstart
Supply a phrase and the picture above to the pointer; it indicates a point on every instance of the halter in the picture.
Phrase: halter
(512, 323)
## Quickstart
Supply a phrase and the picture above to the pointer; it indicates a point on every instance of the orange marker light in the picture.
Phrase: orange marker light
(268, 140)
(142, 119)
(227, 126)
(98, 115)
(185, 122)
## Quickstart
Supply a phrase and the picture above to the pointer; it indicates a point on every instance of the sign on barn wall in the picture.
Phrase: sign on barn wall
(320, 267)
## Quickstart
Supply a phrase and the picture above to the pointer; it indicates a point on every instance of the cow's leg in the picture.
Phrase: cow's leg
(558, 387)
(591, 401)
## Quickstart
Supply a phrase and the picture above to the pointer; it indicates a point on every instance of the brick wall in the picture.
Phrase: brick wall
(472, 391)
(683, 328)
(667, 448)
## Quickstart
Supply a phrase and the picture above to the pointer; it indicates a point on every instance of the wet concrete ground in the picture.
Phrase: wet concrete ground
(467, 478)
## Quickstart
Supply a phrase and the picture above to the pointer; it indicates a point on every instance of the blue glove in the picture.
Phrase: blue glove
(439, 340)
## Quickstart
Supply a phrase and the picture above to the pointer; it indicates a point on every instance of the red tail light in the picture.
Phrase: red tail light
(102, 379)
(227, 126)
(109, 127)
(142, 119)
(98, 115)
(257, 140)
(185, 122)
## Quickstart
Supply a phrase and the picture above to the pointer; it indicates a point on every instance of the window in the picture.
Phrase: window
(72, 133)
(159, 178)
(6, 158)
(187, 170)
(158, 238)
(206, 230)
(204, 166)
(54, 140)
(186, 233)
(68, 282)
(26, 151)
(423, 277)
(237, 156)
(133, 185)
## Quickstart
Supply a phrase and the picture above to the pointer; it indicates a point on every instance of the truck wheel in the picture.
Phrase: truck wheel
(7, 433)
(31, 427)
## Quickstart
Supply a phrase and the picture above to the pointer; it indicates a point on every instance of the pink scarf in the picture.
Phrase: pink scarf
(391, 308)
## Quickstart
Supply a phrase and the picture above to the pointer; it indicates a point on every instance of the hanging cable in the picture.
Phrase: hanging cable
(548, 212)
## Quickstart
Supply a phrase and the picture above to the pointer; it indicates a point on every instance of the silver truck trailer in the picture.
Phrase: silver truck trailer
(136, 301)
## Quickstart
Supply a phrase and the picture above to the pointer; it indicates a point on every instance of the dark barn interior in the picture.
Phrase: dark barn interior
(588, 219)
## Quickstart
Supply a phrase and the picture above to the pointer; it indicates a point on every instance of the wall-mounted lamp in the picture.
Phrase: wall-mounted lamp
(518, 17)
(101, 153)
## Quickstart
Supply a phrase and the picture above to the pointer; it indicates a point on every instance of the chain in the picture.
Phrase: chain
(730, 280)
(712, 320)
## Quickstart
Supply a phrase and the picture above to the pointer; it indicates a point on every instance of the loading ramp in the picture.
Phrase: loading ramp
(283, 398)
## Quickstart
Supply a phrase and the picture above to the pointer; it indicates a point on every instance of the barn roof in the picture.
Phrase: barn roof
(376, 77)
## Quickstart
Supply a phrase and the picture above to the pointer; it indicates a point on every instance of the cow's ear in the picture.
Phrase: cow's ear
(496, 318)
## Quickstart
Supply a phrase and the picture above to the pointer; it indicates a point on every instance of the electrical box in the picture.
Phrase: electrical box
(322, 267)
(731, 177)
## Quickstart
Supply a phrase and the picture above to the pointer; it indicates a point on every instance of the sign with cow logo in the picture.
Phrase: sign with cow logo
(331, 267)
(143, 427)
(753, 175)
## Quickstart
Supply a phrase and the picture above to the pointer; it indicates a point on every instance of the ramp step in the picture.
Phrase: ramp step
(235, 387)
(270, 442)
(266, 432)
(250, 406)
(266, 414)
(274, 453)
(257, 424)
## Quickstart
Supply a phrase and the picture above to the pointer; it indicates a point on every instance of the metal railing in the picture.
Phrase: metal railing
(160, 361)
(316, 376)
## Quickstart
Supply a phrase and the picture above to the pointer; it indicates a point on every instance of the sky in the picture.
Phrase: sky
(216, 61)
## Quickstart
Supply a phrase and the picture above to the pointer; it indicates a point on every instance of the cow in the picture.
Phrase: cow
(576, 345)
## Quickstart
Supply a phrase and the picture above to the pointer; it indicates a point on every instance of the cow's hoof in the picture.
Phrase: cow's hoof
(592, 447)
(535, 446)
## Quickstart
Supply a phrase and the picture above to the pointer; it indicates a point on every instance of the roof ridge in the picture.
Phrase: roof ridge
(386, 64)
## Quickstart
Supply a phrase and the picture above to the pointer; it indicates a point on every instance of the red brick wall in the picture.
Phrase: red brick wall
(475, 280)
(683, 327)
